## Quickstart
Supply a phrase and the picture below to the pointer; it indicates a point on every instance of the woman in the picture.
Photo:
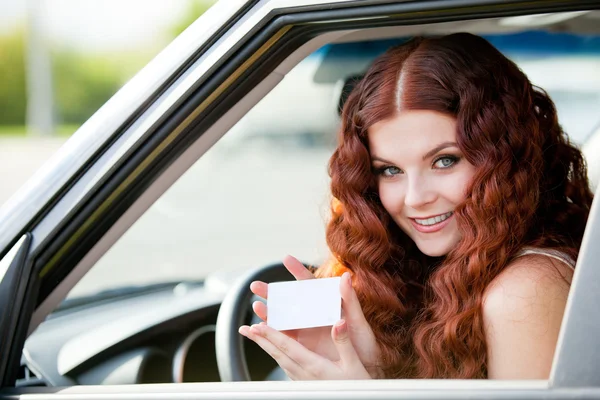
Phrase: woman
(459, 208)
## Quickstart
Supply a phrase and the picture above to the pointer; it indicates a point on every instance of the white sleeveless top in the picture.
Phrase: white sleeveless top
(556, 254)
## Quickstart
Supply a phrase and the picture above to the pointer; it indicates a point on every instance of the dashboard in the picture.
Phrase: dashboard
(166, 335)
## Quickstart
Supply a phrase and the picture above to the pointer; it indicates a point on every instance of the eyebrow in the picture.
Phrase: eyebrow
(430, 153)
(438, 148)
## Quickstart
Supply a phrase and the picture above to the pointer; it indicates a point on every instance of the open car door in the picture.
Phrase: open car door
(163, 120)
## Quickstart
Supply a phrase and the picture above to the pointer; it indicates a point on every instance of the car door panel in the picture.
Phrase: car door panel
(135, 168)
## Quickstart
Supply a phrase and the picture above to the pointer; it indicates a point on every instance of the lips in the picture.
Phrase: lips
(433, 223)
(433, 220)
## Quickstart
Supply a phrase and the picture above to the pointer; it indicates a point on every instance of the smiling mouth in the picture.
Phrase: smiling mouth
(433, 220)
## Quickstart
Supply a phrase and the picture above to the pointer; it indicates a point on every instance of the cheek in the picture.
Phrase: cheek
(392, 197)
(455, 189)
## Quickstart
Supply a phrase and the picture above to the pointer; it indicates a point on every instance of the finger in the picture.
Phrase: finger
(259, 288)
(291, 368)
(341, 339)
(292, 333)
(297, 269)
(288, 346)
(350, 305)
(260, 309)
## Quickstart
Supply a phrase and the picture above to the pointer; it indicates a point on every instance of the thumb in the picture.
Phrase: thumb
(352, 310)
(343, 344)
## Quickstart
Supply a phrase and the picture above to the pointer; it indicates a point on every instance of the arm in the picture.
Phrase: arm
(522, 313)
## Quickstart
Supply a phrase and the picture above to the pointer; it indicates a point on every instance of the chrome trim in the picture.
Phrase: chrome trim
(184, 348)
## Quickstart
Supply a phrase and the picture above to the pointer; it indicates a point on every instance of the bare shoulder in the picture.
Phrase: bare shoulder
(526, 281)
(522, 313)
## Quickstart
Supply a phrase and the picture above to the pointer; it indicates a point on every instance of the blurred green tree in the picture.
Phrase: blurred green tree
(82, 82)
(12, 75)
(195, 9)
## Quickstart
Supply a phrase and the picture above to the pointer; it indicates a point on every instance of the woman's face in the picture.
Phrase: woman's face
(422, 176)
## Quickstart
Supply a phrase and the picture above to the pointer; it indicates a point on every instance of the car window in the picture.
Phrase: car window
(262, 191)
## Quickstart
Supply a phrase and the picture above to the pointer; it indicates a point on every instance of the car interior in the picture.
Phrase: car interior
(160, 298)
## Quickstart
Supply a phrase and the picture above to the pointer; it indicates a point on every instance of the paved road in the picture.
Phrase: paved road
(20, 157)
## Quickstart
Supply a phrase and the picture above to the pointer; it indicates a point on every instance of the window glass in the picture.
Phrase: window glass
(262, 191)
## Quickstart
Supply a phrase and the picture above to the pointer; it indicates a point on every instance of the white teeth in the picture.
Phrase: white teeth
(434, 220)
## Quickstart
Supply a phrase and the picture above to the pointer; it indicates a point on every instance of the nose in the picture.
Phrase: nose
(419, 193)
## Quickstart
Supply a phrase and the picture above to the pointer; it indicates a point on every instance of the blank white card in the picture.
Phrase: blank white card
(304, 304)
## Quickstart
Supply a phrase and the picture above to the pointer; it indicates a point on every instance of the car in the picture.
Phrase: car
(125, 261)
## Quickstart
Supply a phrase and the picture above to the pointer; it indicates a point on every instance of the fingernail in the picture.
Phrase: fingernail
(341, 327)
(243, 330)
(348, 278)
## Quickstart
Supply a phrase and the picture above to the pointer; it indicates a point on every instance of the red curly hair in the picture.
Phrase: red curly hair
(530, 189)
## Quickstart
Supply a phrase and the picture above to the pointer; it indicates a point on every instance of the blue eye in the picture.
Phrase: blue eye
(389, 171)
(445, 162)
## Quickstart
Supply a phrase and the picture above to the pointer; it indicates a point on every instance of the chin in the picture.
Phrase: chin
(433, 252)
(438, 249)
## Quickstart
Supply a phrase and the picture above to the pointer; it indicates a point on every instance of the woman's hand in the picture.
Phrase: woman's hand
(320, 340)
(299, 363)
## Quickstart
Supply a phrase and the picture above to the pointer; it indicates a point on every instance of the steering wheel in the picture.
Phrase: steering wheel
(229, 344)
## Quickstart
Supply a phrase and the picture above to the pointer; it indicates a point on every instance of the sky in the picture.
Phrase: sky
(97, 24)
